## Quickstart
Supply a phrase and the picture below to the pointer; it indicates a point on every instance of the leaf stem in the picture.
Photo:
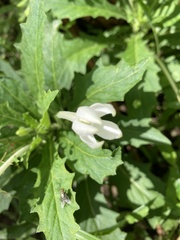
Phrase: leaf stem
(168, 76)
(10, 160)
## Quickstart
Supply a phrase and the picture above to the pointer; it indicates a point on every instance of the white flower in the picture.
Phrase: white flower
(87, 122)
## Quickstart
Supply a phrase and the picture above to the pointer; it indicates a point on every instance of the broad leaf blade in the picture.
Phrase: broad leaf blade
(56, 222)
(64, 57)
(88, 160)
(113, 82)
(94, 215)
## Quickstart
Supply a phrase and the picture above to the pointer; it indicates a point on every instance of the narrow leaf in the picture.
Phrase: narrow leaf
(31, 48)
(82, 8)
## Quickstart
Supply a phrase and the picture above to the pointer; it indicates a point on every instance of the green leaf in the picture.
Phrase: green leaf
(63, 57)
(94, 215)
(88, 160)
(8, 71)
(137, 214)
(177, 188)
(138, 132)
(19, 231)
(82, 235)
(135, 52)
(111, 83)
(12, 91)
(5, 200)
(56, 222)
(10, 116)
(31, 48)
(140, 187)
(82, 8)
(45, 100)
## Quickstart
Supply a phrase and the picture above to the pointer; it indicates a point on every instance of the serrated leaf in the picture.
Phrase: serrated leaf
(94, 215)
(135, 52)
(31, 48)
(45, 100)
(56, 222)
(88, 160)
(111, 83)
(64, 57)
(82, 8)
(167, 14)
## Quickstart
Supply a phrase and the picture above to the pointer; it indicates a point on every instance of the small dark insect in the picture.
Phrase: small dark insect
(64, 198)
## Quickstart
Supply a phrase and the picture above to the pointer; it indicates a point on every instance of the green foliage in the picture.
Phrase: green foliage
(62, 54)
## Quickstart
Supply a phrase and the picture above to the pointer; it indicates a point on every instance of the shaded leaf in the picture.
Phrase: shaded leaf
(10, 116)
(138, 133)
(139, 186)
(94, 215)
(5, 200)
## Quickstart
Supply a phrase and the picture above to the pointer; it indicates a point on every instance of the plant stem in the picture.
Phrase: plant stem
(169, 77)
(10, 160)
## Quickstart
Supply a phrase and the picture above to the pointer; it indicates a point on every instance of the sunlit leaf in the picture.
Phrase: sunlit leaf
(31, 48)
(87, 160)
(72, 56)
(52, 178)
(111, 83)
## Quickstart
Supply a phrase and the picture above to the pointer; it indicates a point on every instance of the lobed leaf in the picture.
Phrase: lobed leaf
(111, 83)
(87, 160)
(56, 222)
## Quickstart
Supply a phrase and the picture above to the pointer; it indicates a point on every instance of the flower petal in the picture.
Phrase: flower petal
(103, 109)
(91, 141)
(88, 115)
(82, 129)
(71, 116)
(109, 130)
